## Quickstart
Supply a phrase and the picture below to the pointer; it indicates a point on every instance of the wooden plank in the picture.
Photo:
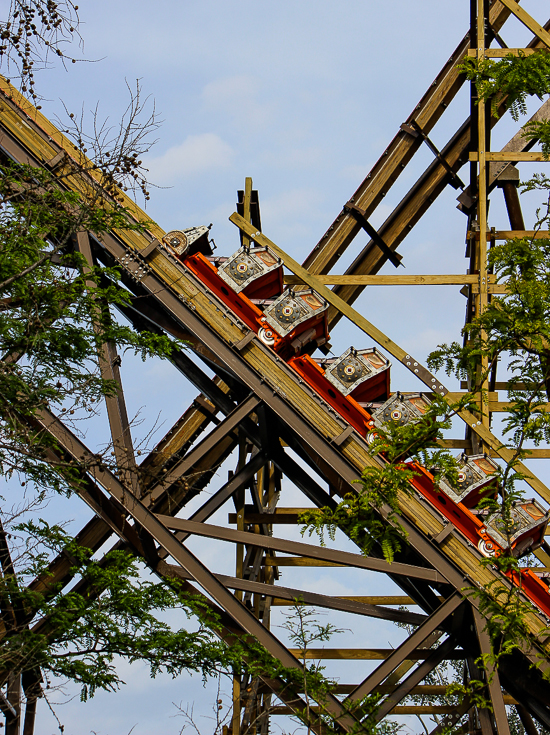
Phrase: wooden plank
(419, 280)
(500, 406)
(499, 53)
(298, 561)
(404, 709)
(456, 395)
(527, 21)
(364, 654)
(384, 600)
(510, 156)
(511, 234)
(501, 385)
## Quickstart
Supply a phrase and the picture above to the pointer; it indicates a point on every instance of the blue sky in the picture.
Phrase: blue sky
(304, 97)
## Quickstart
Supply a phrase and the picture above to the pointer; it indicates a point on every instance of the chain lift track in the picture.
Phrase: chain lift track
(270, 394)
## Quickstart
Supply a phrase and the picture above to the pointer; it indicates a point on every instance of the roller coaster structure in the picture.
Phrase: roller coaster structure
(256, 318)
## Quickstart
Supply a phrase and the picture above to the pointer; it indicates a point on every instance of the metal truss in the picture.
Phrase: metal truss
(260, 413)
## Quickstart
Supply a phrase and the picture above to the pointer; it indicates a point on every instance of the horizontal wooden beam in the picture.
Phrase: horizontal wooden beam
(511, 156)
(391, 280)
(298, 561)
(500, 53)
(413, 709)
(511, 234)
(455, 396)
(502, 385)
(367, 599)
(365, 654)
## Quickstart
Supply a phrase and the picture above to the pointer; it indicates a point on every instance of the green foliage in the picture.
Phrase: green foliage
(539, 131)
(54, 316)
(509, 81)
(110, 611)
(370, 516)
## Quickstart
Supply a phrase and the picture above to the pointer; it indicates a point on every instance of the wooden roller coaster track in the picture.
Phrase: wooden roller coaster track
(263, 409)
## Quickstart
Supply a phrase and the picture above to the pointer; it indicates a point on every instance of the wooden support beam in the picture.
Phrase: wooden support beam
(405, 709)
(365, 654)
(500, 53)
(416, 280)
(528, 21)
(511, 234)
(510, 156)
(368, 599)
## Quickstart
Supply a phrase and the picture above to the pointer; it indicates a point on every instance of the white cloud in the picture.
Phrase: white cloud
(197, 154)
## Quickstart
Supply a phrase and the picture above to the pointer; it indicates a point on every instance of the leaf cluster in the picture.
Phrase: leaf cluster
(55, 315)
(111, 611)
(509, 81)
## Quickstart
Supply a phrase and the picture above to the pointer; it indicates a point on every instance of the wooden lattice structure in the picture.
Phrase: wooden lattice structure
(257, 407)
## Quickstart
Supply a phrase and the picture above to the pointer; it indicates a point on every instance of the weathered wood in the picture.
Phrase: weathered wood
(368, 599)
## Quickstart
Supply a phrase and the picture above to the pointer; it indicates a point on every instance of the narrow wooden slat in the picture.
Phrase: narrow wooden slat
(364, 654)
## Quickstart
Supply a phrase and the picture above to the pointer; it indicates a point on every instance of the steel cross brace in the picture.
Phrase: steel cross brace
(143, 517)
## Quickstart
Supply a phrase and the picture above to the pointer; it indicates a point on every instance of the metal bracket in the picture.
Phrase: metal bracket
(445, 532)
(359, 215)
(241, 344)
(341, 438)
(57, 160)
(148, 249)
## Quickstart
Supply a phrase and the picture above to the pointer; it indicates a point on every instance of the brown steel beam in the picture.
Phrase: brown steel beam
(405, 650)
(227, 426)
(449, 721)
(117, 414)
(188, 561)
(295, 547)
(483, 714)
(442, 652)
(318, 600)
(493, 680)
(214, 502)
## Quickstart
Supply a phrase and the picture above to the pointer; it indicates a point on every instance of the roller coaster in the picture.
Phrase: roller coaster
(256, 318)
